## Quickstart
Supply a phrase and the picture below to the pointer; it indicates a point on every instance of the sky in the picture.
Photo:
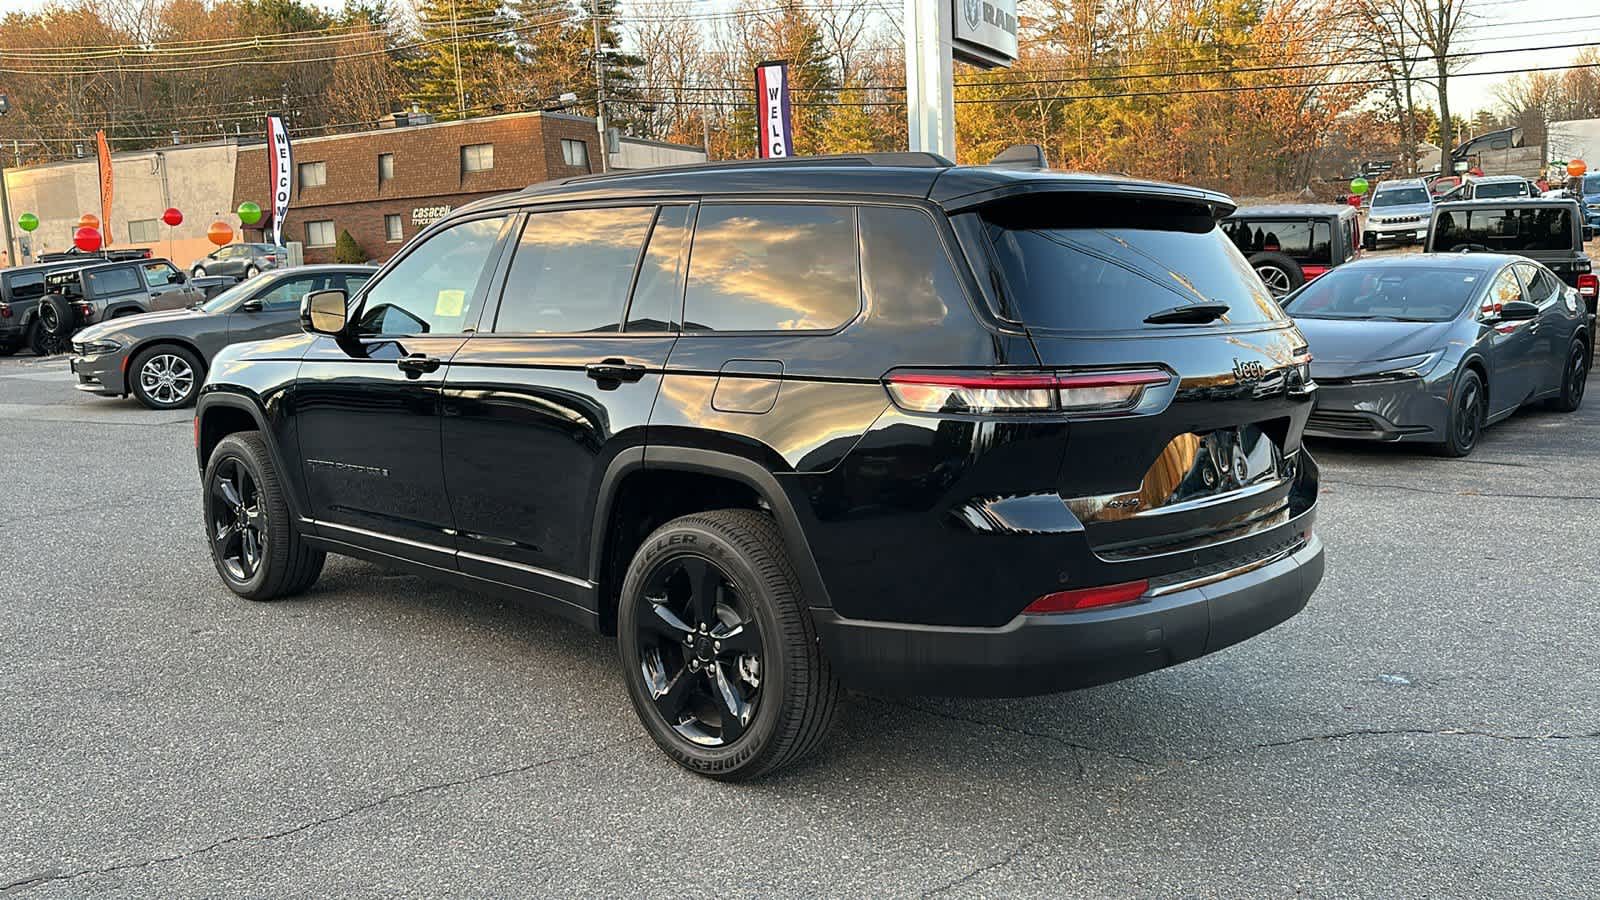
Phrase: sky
(1497, 25)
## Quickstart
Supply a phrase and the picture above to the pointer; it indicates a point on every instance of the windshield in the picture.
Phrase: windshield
(1502, 230)
(1502, 189)
(1406, 293)
(230, 296)
(1110, 279)
(1400, 197)
(1589, 184)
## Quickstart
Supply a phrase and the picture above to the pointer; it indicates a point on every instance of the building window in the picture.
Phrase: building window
(144, 231)
(392, 229)
(313, 174)
(576, 153)
(477, 157)
(385, 168)
(319, 234)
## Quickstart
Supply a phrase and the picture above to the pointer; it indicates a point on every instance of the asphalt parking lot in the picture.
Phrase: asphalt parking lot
(1429, 725)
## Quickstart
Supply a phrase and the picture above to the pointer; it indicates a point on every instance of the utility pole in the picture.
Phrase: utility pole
(13, 257)
(461, 94)
(600, 86)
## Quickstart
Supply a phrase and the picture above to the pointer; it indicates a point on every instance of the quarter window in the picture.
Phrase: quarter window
(319, 234)
(313, 174)
(773, 267)
(658, 293)
(572, 270)
(434, 288)
(477, 157)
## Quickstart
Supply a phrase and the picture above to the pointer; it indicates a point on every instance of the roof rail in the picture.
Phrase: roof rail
(906, 159)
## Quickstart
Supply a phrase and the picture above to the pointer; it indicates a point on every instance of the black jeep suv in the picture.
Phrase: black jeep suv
(879, 422)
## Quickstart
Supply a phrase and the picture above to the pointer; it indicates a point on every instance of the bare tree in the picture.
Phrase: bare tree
(1436, 24)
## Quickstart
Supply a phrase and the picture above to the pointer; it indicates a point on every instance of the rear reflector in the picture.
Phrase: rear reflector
(1022, 393)
(1589, 285)
(1087, 598)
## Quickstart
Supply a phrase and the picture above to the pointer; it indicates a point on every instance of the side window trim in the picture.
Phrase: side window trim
(683, 265)
(688, 271)
(481, 295)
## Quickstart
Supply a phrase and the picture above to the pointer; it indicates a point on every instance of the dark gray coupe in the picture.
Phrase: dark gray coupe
(161, 357)
(1434, 347)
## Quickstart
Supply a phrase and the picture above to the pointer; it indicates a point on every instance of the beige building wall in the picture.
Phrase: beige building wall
(195, 178)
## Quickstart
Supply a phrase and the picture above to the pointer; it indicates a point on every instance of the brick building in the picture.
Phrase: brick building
(384, 186)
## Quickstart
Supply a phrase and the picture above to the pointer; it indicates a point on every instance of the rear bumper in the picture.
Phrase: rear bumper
(1048, 653)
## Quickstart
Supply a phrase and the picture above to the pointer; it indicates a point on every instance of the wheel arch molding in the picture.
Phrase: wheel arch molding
(218, 414)
(715, 464)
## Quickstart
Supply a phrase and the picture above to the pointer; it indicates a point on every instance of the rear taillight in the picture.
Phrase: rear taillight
(5, 310)
(271, 259)
(1024, 393)
(1313, 271)
(1589, 286)
(1087, 598)
(85, 310)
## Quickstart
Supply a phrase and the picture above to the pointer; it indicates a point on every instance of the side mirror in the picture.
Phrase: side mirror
(253, 305)
(324, 312)
(180, 277)
(1518, 311)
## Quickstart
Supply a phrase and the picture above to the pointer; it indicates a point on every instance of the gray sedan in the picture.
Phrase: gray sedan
(161, 357)
(1435, 347)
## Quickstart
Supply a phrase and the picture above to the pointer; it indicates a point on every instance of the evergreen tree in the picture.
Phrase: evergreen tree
(621, 83)
(467, 62)
(346, 251)
(555, 49)
(793, 34)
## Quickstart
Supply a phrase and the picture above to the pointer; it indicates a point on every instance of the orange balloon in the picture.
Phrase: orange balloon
(89, 220)
(220, 233)
(1576, 168)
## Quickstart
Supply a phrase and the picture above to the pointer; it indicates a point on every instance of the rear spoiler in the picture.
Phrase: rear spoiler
(958, 190)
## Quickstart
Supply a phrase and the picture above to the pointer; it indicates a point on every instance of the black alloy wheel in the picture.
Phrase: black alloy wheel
(1467, 415)
(1574, 379)
(238, 522)
(52, 328)
(719, 653)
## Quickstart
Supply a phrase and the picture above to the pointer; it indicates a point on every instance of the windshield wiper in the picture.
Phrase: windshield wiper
(1188, 314)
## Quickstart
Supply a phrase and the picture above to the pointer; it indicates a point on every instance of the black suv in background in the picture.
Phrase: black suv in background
(1552, 231)
(881, 422)
(21, 289)
(1291, 245)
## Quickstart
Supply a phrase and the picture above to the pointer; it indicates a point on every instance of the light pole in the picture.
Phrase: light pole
(5, 195)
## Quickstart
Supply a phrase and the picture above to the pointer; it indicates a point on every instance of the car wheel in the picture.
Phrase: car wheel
(1573, 380)
(254, 544)
(1278, 272)
(199, 272)
(52, 328)
(1368, 242)
(165, 377)
(1468, 409)
(251, 272)
(719, 655)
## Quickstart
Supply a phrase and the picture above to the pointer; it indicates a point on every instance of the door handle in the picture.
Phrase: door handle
(614, 369)
(416, 364)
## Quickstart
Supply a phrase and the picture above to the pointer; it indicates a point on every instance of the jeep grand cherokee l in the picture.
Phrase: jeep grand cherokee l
(781, 427)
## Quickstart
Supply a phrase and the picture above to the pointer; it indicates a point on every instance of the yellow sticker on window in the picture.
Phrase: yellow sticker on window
(450, 304)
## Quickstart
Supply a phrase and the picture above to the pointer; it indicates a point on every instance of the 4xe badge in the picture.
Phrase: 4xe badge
(1248, 371)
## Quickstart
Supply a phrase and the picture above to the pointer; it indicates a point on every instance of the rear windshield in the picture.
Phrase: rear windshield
(26, 285)
(1505, 230)
(1060, 275)
(1299, 238)
(1499, 189)
(1400, 197)
(1408, 293)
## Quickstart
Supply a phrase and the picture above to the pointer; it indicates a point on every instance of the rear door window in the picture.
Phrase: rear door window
(1299, 238)
(773, 267)
(658, 291)
(114, 281)
(1514, 230)
(1110, 279)
(571, 270)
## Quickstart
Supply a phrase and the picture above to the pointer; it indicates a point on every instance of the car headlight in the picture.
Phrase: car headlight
(89, 348)
(1401, 368)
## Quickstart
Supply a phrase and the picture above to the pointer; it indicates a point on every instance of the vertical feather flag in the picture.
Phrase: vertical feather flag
(772, 109)
(103, 151)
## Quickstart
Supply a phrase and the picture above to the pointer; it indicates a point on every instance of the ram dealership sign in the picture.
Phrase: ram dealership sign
(985, 33)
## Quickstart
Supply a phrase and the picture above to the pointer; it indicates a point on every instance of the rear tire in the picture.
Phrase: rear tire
(198, 271)
(1574, 379)
(727, 568)
(281, 564)
(1468, 409)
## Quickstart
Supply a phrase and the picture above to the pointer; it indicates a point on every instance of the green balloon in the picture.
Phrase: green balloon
(1359, 186)
(28, 221)
(249, 213)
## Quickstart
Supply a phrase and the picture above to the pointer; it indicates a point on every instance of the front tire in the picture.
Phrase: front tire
(1468, 410)
(1573, 380)
(199, 272)
(719, 654)
(251, 272)
(165, 377)
(253, 541)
